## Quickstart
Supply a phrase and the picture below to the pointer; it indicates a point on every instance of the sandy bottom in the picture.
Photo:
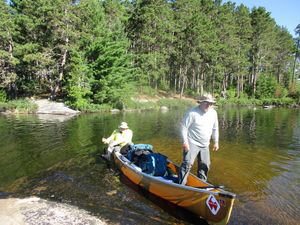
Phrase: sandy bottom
(36, 211)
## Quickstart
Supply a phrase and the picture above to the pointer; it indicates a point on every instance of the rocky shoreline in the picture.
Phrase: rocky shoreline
(36, 211)
(49, 107)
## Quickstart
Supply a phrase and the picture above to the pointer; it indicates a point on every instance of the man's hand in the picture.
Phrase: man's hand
(104, 140)
(113, 143)
(185, 147)
(216, 147)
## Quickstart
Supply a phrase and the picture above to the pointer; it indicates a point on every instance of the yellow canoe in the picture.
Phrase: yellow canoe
(203, 199)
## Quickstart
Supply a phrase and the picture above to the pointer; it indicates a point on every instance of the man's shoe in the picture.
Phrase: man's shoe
(202, 177)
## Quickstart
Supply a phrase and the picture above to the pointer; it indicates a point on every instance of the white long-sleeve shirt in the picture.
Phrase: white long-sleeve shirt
(198, 127)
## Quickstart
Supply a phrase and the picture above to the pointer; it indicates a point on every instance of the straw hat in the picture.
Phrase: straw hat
(206, 98)
(123, 125)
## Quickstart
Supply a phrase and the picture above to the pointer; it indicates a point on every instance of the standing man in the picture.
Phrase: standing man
(197, 127)
(120, 138)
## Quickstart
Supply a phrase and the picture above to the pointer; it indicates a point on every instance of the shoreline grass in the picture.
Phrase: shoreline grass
(27, 106)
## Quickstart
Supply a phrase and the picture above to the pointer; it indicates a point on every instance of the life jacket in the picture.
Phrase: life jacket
(125, 135)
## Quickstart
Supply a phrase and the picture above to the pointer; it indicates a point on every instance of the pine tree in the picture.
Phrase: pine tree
(244, 32)
(7, 59)
(297, 55)
(194, 45)
(108, 56)
(150, 30)
(263, 40)
(79, 81)
(228, 55)
(46, 30)
(283, 48)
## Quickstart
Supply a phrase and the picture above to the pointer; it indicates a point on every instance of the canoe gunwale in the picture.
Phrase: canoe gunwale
(214, 205)
(132, 167)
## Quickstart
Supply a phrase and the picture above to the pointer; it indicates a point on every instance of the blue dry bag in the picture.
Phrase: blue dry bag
(138, 148)
(154, 164)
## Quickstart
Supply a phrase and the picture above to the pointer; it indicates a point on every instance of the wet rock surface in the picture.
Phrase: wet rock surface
(37, 211)
(49, 107)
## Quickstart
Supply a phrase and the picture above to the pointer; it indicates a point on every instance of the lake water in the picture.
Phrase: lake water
(58, 158)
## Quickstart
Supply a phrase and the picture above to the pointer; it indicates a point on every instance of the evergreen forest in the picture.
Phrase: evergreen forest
(102, 52)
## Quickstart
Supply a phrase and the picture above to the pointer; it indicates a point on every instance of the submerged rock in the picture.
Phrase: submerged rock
(36, 211)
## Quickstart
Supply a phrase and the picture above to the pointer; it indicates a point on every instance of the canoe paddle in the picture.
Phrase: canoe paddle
(206, 187)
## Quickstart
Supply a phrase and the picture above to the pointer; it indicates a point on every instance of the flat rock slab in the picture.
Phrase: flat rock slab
(36, 211)
(50, 107)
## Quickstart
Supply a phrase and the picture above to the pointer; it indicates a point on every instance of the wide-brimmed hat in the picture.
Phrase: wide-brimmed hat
(123, 125)
(206, 98)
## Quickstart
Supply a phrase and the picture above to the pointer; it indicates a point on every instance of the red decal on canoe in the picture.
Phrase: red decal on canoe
(213, 204)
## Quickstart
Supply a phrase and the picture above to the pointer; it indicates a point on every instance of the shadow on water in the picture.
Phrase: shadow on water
(170, 208)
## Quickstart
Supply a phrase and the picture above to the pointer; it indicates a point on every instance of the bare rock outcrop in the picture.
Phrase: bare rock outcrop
(49, 107)
(36, 211)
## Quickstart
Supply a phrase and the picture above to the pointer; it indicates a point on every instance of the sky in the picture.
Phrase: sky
(285, 12)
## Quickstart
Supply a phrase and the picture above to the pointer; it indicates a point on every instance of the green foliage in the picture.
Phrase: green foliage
(146, 90)
(24, 105)
(297, 94)
(133, 104)
(84, 106)
(252, 101)
(266, 87)
(231, 93)
(8, 61)
(156, 104)
(278, 101)
(111, 65)
(5, 106)
(280, 91)
(151, 28)
(100, 52)
(191, 92)
(242, 101)
(79, 86)
(175, 103)
(3, 96)
(294, 91)
(21, 106)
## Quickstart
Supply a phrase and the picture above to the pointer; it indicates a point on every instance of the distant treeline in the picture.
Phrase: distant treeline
(95, 52)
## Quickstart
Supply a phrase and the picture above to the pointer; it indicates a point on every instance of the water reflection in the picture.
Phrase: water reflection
(59, 159)
(55, 118)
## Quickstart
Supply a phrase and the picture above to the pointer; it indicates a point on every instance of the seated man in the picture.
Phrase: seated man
(120, 138)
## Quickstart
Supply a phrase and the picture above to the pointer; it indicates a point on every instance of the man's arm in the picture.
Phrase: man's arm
(185, 124)
(110, 138)
(215, 133)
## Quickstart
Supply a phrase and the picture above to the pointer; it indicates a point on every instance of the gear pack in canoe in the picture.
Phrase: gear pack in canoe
(142, 155)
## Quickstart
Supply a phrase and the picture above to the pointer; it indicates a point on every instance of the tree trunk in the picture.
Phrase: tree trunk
(253, 78)
(55, 90)
(242, 83)
(238, 86)
(183, 78)
(295, 61)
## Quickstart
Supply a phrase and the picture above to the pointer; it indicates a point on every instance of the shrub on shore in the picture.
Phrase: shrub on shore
(20, 106)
